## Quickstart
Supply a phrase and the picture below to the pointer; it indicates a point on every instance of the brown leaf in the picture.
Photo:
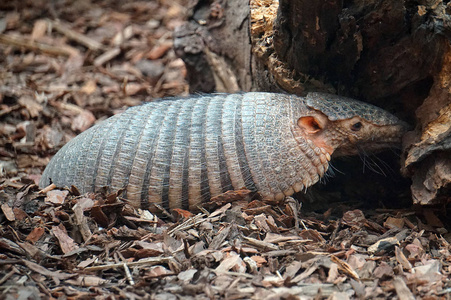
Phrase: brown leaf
(32, 106)
(39, 29)
(278, 238)
(83, 121)
(134, 88)
(159, 51)
(232, 260)
(149, 249)
(8, 245)
(35, 234)
(56, 196)
(313, 235)
(292, 269)
(81, 221)
(231, 196)
(184, 214)
(32, 251)
(8, 212)
(383, 270)
(46, 272)
(333, 273)
(261, 222)
(158, 271)
(49, 137)
(66, 243)
(27, 161)
(19, 214)
(87, 281)
(431, 218)
(345, 267)
(87, 262)
(415, 249)
(391, 223)
(402, 290)
(354, 218)
(402, 259)
(89, 87)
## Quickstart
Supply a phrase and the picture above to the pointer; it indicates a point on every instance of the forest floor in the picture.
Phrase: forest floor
(66, 65)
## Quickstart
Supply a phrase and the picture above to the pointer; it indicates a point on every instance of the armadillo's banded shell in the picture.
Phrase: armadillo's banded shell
(180, 152)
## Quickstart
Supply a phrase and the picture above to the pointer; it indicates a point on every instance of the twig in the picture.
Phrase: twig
(260, 244)
(10, 109)
(128, 274)
(157, 276)
(76, 36)
(345, 267)
(143, 262)
(191, 222)
(35, 46)
(7, 276)
(107, 56)
(234, 274)
(403, 292)
(47, 188)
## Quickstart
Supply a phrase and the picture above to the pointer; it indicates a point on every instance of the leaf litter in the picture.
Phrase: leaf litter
(70, 64)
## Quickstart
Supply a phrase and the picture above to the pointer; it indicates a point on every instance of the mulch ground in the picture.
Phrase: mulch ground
(66, 65)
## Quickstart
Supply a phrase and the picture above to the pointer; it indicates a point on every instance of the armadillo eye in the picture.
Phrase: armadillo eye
(356, 126)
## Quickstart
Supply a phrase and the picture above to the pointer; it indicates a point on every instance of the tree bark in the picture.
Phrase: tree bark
(395, 54)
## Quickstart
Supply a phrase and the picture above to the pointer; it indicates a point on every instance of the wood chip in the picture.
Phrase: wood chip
(76, 36)
(402, 290)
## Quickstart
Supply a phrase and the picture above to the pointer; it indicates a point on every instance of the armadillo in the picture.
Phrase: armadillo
(181, 152)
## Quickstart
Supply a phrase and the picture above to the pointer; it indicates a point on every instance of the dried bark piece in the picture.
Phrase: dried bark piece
(402, 290)
(67, 244)
(8, 212)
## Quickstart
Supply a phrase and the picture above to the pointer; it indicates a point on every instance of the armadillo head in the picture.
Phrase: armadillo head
(344, 126)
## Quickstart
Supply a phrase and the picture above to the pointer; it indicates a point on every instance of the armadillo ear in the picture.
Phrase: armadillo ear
(311, 124)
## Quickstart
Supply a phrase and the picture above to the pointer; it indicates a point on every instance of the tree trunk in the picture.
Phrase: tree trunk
(395, 54)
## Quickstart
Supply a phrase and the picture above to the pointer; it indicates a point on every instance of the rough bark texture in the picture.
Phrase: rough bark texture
(392, 53)
(215, 46)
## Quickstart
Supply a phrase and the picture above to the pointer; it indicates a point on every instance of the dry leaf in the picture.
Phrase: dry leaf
(83, 121)
(391, 223)
(39, 29)
(35, 234)
(66, 243)
(402, 259)
(354, 218)
(56, 196)
(87, 281)
(8, 212)
(89, 87)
